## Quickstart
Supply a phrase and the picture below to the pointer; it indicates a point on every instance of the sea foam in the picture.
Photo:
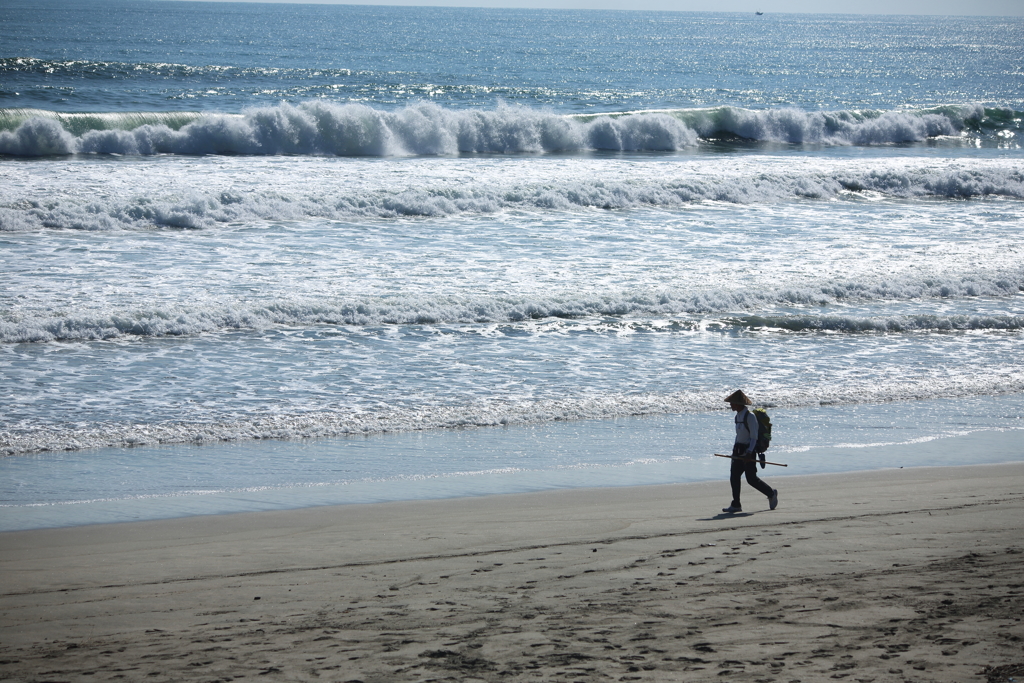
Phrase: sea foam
(327, 424)
(699, 310)
(201, 208)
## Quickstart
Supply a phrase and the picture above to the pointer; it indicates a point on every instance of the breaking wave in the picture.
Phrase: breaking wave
(869, 127)
(318, 128)
(322, 128)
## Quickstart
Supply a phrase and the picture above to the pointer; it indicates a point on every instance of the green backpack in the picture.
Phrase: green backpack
(764, 430)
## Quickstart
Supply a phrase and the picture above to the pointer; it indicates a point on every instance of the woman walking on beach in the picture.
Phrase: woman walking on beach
(743, 454)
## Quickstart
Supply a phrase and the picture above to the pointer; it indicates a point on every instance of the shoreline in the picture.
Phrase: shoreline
(861, 573)
(108, 487)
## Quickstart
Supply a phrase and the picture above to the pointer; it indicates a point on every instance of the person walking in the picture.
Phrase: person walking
(744, 460)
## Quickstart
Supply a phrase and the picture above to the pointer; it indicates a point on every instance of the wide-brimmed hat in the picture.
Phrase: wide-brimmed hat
(738, 397)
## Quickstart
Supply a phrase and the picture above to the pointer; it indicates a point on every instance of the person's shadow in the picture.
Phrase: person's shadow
(725, 515)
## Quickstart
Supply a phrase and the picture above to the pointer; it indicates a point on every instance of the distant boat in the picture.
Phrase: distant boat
(759, 13)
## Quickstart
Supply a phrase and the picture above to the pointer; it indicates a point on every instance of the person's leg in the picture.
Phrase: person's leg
(735, 478)
(755, 481)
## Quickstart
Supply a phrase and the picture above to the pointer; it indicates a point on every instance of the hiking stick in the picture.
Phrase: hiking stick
(766, 462)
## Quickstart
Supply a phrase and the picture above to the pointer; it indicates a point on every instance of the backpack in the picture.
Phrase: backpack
(764, 430)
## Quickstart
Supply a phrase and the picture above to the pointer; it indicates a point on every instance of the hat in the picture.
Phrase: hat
(738, 397)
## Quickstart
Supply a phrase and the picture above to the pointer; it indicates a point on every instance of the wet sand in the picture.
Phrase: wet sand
(894, 575)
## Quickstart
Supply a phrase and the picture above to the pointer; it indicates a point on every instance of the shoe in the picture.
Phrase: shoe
(732, 508)
(773, 501)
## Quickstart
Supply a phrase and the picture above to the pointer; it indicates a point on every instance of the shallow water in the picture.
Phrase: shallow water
(126, 484)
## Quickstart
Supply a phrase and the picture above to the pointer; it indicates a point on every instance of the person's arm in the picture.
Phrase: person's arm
(752, 425)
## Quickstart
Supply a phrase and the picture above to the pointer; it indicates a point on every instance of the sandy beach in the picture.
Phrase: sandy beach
(896, 575)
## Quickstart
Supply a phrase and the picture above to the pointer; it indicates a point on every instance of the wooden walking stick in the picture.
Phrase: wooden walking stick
(766, 462)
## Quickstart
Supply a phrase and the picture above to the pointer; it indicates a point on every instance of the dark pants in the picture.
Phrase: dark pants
(741, 467)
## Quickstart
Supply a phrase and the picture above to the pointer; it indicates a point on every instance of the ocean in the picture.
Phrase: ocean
(259, 256)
